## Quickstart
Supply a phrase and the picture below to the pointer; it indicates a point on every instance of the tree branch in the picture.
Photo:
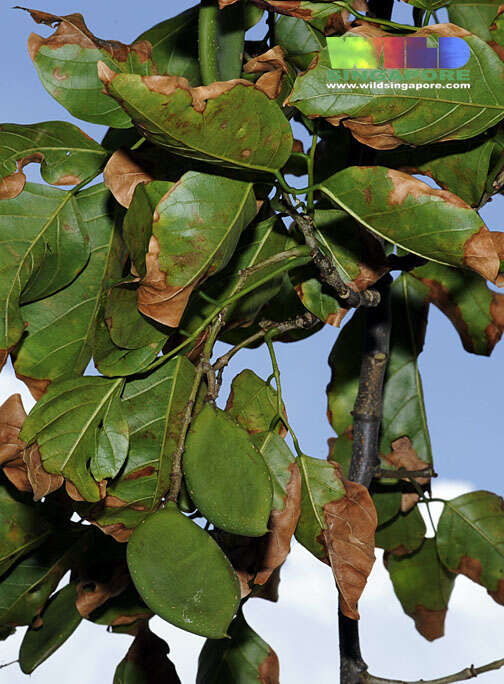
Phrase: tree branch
(467, 673)
(328, 271)
(367, 415)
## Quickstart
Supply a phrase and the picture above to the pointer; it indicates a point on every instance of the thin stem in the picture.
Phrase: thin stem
(291, 190)
(208, 41)
(328, 271)
(223, 360)
(436, 17)
(229, 300)
(138, 144)
(311, 169)
(271, 28)
(176, 467)
(276, 374)
(374, 20)
(467, 673)
(427, 18)
(12, 662)
(402, 473)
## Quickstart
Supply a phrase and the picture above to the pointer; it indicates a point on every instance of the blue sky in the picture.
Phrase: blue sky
(462, 393)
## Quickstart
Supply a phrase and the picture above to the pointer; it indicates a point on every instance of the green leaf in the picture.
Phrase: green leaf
(403, 403)
(464, 168)
(261, 240)
(218, 124)
(226, 475)
(113, 361)
(423, 586)
(25, 588)
(154, 406)
(230, 40)
(245, 658)
(137, 226)
(146, 661)
(403, 534)
(253, 403)
(128, 328)
(476, 311)
(428, 5)
(470, 539)
(385, 119)
(44, 247)
(66, 154)
(299, 40)
(426, 221)
(181, 574)
(23, 527)
(320, 485)
(59, 339)
(66, 422)
(60, 619)
(497, 33)
(195, 230)
(174, 48)
(66, 64)
(473, 15)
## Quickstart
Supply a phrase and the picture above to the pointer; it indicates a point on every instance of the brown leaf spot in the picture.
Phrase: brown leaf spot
(269, 669)
(430, 623)
(69, 179)
(335, 319)
(117, 530)
(144, 472)
(470, 567)
(226, 3)
(42, 482)
(405, 186)
(74, 493)
(349, 540)
(58, 75)
(122, 174)
(408, 501)
(246, 153)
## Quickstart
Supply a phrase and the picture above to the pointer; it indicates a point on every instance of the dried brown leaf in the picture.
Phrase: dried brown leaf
(42, 483)
(12, 415)
(349, 539)
(36, 386)
(498, 240)
(404, 456)
(272, 66)
(122, 174)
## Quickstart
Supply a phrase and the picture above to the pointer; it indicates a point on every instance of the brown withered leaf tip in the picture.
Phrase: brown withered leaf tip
(12, 416)
(149, 653)
(255, 559)
(272, 66)
(157, 300)
(72, 30)
(91, 594)
(122, 174)
(430, 623)
(349, 541)
(269, 669)
(42, 483)
(471, 567)
(282, 524)
(498, 240)
(444, 300)
(36, 386)
(226, 3)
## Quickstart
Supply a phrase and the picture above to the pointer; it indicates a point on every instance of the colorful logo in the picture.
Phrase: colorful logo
(390, 52)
